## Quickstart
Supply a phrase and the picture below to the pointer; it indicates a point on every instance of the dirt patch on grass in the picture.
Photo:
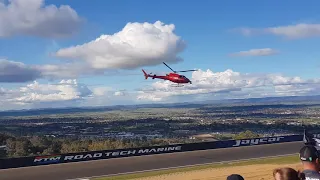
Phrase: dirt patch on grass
(249, 172)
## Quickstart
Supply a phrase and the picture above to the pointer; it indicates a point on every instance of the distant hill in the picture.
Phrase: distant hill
(251, 101)
(272, 100)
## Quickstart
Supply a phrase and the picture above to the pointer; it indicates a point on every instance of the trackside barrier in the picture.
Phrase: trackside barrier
(117, 153)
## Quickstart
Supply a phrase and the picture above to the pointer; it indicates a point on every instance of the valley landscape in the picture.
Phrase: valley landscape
(47, 131)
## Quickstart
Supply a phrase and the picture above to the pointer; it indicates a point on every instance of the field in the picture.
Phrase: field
(259, 169)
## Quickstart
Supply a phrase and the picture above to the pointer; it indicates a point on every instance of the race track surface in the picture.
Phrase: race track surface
(130, 164)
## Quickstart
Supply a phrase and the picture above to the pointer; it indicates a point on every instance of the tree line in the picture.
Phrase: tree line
(18, 146)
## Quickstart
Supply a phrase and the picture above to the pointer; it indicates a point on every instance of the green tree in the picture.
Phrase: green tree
(3, 138)
(246, 135)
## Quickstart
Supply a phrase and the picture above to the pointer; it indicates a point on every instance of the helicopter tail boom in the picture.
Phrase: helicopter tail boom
(145, 74)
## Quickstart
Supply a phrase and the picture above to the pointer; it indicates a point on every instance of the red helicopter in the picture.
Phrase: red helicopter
(173, 77)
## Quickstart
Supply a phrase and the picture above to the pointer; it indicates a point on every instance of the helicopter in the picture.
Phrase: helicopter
(173, 77)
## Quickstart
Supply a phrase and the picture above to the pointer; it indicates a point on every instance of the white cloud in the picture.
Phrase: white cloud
(230, 84)
(66, 93)
(297, 89)
(246, 31)
(207, 85)
(104, 96)
(101, 91)
(11, 71)
(155, 96)
(136, 45)
(18, 72)
(256, 52)
(119, 93)
(65, 90)
(33, 18)
(68, 70)
(296, 31)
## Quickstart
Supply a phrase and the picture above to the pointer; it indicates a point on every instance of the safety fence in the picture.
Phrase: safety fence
(117, 153)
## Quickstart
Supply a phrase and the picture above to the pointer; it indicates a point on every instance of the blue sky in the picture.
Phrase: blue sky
(209, 29)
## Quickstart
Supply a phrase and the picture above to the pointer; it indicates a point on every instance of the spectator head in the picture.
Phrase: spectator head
(235, 177)
(285, 174)
(310, 158)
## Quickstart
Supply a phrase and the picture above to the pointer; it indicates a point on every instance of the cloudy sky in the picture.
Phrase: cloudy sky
(54, 54)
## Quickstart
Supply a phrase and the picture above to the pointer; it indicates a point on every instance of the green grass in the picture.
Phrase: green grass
(272, 160)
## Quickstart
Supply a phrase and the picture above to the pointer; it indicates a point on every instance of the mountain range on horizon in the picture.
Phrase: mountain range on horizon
(234, 102)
